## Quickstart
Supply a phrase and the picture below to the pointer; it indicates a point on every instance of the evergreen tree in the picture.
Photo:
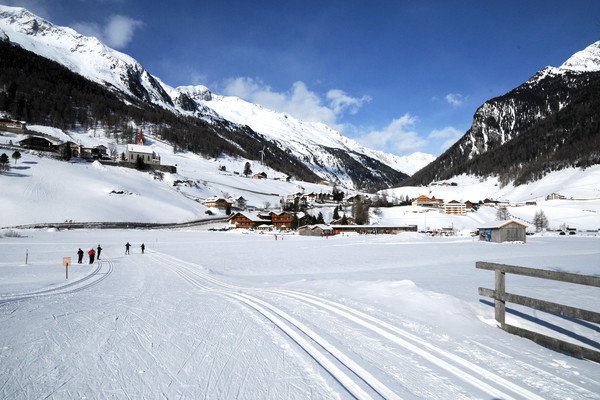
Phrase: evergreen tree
(4, 162)
(295, 222)
(344, 220)
(247, 169)
(320, 219)
(67, 153)
(16, 155)
(140, 165)
(336, 214)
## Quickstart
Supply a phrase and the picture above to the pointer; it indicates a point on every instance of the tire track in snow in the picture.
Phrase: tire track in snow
(301, 334)
(94, 278)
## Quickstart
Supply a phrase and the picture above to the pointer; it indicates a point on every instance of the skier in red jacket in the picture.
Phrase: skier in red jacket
(92, 254)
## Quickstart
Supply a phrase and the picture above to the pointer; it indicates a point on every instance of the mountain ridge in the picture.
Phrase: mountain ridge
(124, 75)
(549, 122)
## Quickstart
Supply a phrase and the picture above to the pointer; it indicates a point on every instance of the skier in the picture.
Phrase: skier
(92, 254)
(99, 250)
(143, 248)
(79, 256)
(127, 246)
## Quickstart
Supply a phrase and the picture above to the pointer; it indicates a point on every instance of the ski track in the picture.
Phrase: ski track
(95, 277)
(291, 327)
(473, 374)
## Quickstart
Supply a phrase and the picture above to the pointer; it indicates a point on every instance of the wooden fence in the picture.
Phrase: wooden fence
(501, 297)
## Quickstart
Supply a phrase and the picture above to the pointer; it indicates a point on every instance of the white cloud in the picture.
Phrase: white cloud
(455, 99)
(340, 101)
(398, 137)
(117, 33)
(299, 101)
(448, 135)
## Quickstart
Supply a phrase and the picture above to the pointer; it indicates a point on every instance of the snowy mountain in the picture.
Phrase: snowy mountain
(321, 149)
(548, 123)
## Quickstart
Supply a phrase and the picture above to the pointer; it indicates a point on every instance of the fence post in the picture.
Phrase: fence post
(500, 305)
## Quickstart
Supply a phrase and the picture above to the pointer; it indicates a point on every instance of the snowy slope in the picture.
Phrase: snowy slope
(222, 316)
(304, 138)
(40, 189)
(90, 58)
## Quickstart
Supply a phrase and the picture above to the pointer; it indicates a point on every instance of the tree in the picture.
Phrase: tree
(320, 219)
(336, 214)
(540, 221)
(16, 155)
(267, 205)
(228, 210)
(67, 153)
(502, 214)
(4, 162)
(295, 222)
(247, 169)
(140, 165)
(360, 212)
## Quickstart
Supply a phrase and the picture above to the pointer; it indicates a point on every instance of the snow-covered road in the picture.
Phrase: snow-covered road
(164, 325)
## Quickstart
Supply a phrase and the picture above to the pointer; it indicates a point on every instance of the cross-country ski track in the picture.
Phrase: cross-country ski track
(156, 325)
(334, 360)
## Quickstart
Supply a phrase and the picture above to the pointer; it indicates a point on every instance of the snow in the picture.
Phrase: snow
(224, 315)
(90, 58)
(586, 60)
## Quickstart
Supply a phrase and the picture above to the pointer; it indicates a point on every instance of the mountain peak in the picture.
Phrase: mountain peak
(586, 60)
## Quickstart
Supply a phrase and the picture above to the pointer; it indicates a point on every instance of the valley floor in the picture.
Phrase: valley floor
(232, 316)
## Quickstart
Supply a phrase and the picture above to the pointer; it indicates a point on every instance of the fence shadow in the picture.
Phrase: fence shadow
(556, 328)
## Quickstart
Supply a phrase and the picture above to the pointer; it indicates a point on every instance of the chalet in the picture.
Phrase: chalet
(315, 230)
(12, 125)
(503, 231)
(469, 205)
(425, 201)
(555, 196)
(455, 208)
(147, 155)
(38, 143)
(217, 202)
(260, 175)
(247, 220)
(97, 152)
(73, 147)
(283, 219)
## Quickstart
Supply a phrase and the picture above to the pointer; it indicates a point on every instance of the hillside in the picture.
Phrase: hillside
(191, 118)
(549, 123)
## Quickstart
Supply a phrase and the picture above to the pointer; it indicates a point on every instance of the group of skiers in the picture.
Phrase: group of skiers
(93, 253)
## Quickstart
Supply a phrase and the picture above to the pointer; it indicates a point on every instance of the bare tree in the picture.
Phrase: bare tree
(502, 214)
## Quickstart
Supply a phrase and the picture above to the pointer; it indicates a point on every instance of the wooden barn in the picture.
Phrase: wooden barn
(503, 231)
(315, 230)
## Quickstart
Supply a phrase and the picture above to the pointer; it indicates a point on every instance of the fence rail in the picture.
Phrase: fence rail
(501, 297)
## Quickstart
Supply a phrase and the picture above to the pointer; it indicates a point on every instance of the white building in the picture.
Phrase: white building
(147, 155)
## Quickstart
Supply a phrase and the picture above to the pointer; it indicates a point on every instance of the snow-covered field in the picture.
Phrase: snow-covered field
(230, 315)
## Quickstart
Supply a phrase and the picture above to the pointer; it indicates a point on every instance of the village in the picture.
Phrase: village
(307, 213)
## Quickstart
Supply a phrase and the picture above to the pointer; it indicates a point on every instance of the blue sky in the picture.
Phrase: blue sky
(400, 76)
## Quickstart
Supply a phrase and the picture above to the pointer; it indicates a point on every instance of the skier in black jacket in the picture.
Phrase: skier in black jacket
(79, 256)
